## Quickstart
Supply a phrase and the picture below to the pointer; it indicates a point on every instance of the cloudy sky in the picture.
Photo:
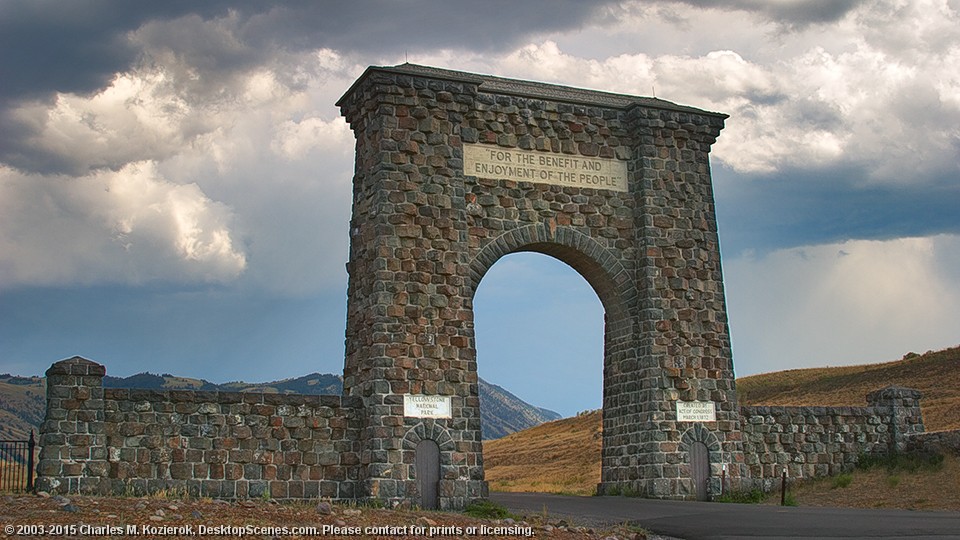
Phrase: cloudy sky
(175, 179)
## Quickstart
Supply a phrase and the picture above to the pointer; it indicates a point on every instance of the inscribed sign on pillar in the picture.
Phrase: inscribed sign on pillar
(419, 406)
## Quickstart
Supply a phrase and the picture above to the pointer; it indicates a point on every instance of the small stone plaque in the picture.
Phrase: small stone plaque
(488, 161)
(420, 406)
(696, 411)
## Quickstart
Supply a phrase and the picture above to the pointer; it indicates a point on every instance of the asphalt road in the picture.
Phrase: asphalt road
(716, 521)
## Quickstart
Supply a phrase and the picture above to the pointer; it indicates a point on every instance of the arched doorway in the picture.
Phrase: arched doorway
(700, 470)
(428, 473)
(704, 451)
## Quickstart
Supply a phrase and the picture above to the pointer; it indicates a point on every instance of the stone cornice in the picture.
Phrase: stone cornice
(537, 90)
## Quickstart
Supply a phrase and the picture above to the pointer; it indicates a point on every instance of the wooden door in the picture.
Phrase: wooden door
(428, 473)
(700, 469)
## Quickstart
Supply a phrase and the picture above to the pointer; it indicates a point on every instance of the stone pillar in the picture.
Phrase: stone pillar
(906, 418)
(682, 340)
(73, 454)
(409, 327)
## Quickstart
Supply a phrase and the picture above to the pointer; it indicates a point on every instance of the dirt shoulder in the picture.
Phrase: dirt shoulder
(31, 516)
(880, 487)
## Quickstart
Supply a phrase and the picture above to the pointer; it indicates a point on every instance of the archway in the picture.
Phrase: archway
(539, 332)
(538, 323)
(704, 454)
(456, 170)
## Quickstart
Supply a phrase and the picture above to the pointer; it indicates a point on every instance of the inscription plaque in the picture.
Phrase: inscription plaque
(488, 161)
(696, 411)
(420, 406)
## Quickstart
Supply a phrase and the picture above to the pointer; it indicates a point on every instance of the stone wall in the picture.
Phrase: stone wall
(939, 442)
(821, 441)
(211, 444)
(245, 445)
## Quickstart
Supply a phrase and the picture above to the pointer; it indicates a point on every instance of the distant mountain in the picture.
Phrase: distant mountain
(502, 413)
(22, 399)
(313, 384)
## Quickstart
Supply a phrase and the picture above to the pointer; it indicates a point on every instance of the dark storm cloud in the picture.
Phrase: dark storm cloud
(790, 13)
(818, 206)
(388, 26)
(52, 46)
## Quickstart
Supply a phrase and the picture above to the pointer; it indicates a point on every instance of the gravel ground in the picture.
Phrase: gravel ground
(36, 516)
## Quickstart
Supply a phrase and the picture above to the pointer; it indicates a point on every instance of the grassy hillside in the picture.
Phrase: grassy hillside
(923, 488)
(564, 456)
(22, 406)
(557, 457)
(935, 374)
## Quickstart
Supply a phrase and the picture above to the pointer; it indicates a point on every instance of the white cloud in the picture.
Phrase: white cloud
(293, 139)
(130, 226)
(182, 177)
(815, 96)
(852, 302)
(138, 117)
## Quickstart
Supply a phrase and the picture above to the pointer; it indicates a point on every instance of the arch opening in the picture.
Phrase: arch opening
(540, 331)
(602, 270)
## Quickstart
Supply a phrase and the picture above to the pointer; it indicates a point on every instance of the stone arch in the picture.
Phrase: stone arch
(430, 429)
(602, 270)
(455, 170)
(700, 433)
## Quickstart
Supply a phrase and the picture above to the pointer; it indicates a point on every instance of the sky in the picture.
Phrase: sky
(175, 178)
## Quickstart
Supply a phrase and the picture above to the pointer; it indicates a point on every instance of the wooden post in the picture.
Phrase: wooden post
(783, 488)
(31, 444)
(723, 480)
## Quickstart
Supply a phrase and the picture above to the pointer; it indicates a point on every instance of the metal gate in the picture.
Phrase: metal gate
(16, 465)
(428, 473)
(700, 469)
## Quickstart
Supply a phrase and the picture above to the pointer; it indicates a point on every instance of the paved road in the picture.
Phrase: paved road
(717, 521)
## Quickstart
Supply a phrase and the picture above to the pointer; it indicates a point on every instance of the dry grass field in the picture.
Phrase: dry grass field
(879, 487)
(935, 374)
(22, 406)
(564, 456)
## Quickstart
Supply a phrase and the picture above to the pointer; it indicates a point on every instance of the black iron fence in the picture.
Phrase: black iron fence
(16, 465)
